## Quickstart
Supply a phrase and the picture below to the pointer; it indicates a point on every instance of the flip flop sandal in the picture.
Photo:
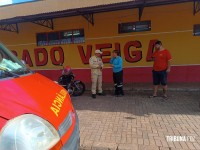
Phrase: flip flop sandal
(152, 96)
(165, 97)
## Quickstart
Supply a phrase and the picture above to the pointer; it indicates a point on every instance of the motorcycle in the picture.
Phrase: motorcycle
(67, 80)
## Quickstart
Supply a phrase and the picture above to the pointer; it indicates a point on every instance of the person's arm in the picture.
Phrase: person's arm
(101, 64)
(169, 66)
(92, 65)
(169, 58)
(111, 60)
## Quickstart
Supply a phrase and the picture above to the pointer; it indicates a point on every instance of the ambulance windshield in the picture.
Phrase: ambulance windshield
(10, 66)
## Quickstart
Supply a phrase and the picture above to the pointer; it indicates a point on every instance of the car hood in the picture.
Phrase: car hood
(34, 94)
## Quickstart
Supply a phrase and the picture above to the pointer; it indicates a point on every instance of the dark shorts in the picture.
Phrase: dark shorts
(160, 77)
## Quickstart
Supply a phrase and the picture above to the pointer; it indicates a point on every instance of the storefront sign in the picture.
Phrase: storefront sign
(132, 52)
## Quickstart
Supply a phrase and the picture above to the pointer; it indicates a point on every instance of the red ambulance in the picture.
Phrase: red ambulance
(35, 112)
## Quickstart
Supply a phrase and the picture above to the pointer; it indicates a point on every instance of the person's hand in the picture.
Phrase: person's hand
(100, 67)
(168, 70)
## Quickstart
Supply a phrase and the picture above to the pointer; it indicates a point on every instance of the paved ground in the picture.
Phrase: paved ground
(135, 122)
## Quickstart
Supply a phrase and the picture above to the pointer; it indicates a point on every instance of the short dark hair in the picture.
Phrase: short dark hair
(116, 52)
(158, 42)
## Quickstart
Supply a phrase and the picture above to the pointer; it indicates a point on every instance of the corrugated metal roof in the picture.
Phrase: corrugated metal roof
(47, 6)
(48, 9)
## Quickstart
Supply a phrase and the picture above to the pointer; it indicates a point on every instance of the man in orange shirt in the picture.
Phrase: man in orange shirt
(161, 68)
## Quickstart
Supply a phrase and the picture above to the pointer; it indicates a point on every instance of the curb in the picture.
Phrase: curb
(149, 89)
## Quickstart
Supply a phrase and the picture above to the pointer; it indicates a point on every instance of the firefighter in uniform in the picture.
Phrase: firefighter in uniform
(96, 66)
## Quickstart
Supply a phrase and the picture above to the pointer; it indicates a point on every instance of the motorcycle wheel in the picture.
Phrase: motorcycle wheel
(79, 88)
(70, 89)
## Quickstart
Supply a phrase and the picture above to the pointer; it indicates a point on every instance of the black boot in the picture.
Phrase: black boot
(116, 91)
(122, 91)
(93, 95)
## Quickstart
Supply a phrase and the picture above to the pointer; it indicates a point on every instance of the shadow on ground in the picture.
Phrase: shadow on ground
(138, 103)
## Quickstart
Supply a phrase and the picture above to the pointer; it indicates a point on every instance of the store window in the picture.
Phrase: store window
(61, 37)
(42, 39)
(139, 26)
(53, 38)
(196, 30)
(78, 36)
(66, 37)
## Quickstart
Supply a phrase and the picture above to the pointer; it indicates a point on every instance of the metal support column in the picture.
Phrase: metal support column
(89, 17)
(9, 27)
(140, 10)
(196, 8)
(45, 23)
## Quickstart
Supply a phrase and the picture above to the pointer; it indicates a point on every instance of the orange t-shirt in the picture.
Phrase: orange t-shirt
(161, 59)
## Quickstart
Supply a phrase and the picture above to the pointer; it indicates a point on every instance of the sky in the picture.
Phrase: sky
(7, 2)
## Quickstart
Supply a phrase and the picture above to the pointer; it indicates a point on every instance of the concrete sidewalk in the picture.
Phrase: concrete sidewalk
(135, 122)
(148, 86)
